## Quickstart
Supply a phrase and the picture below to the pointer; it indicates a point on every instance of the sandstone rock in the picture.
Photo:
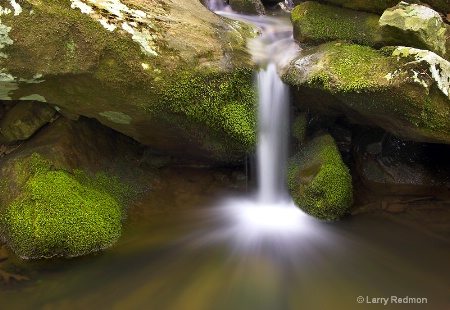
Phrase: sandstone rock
(23, 120)
(400, 89)
(172, 75)
(416, 26)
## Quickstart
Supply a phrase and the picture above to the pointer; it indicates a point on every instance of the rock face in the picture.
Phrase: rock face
(318, 23)
(23, 119)
(416, 26)
(402, 90)
(249, 7)
(319, 182)
(161, 72)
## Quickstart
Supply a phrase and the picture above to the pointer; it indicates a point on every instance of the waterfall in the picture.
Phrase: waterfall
(273, 128)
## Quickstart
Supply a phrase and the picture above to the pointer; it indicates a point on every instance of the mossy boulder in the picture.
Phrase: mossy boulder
(416, 26)
(60, 213)
(23, 120)
(400, 89)
(319, 182)
(172, 75)
(249, 7)
(64, 191)
(380, 5)
(317, 23)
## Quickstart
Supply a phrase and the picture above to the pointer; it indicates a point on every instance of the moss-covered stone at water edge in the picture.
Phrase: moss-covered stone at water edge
(224, 102)
(59, 213)
(319, 181)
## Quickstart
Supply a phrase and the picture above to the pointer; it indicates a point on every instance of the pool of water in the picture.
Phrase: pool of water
(181, 249)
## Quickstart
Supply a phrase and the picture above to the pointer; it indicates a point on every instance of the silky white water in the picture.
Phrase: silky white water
(273, 130)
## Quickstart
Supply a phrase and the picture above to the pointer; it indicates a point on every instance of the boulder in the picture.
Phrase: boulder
(61, 193)
(319, 182)
(379, 6)
(416, 26)
(400, 89)
(23, 120)
(249, 7)
(317, 23)
(172, 75)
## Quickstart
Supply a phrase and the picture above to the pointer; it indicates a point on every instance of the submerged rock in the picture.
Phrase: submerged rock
(416, 26)
(317, 23)
(172, 75)
(400, 89)
(319, 182)
(23, 119)
(249, 7)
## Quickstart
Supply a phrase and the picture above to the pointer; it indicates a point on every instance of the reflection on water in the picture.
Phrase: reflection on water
(193, 257)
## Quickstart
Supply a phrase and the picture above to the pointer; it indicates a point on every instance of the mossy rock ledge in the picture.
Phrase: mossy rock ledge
(319, 181)
(404, 90)
(170, 74)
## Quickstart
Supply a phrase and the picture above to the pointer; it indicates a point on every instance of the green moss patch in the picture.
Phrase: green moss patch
(63, 214)
(319, 181)
(352, 68)
(314, 22)
(223, 101)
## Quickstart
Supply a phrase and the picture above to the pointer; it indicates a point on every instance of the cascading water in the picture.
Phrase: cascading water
(271, 212)
(273, 128)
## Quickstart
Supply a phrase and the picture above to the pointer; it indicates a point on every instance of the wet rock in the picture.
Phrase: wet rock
(402, 90)
(319, 181)
(23, 120)
(416, 26)
(389, 166)
(249, 7)
(172, 75)
(318, 23)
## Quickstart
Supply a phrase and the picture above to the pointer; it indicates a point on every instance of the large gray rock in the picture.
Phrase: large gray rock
(417, 26)
(402, 90)
(172, 75)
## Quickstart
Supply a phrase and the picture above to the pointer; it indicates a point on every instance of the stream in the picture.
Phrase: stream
(190, 245)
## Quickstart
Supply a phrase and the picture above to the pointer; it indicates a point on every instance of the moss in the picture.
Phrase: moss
(314, 22)
(319, 181)
(62, 214)
(352, 68)
(224, 101)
